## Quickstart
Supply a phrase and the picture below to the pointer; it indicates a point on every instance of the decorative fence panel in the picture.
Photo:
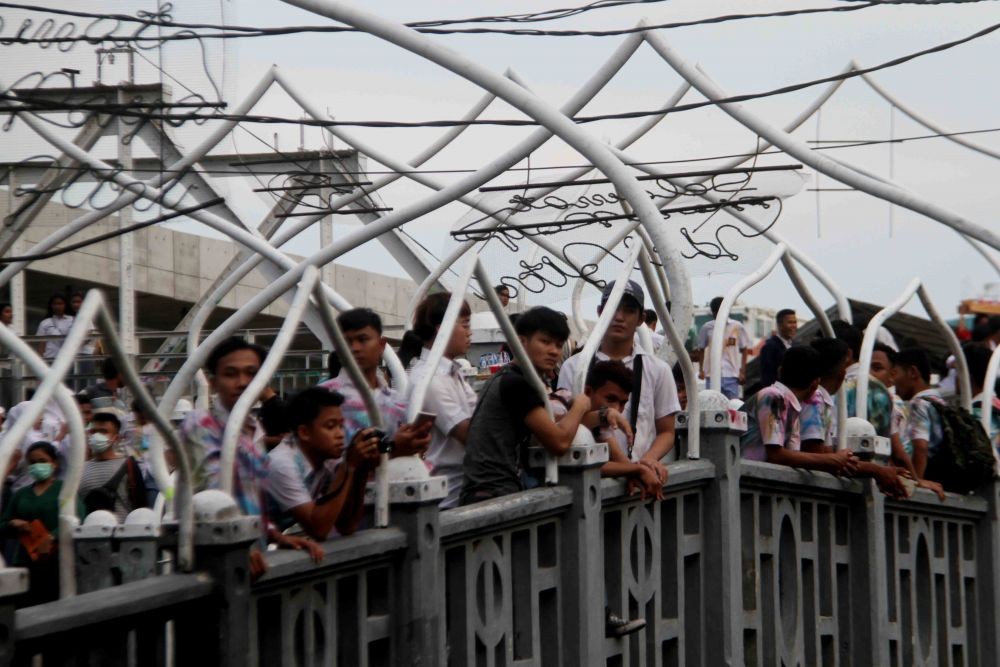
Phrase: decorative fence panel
(501, 574)
(797, 566)
(934, 595)
(653, 568)
(336, 613)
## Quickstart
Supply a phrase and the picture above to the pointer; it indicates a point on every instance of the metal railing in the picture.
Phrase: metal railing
(741, 563)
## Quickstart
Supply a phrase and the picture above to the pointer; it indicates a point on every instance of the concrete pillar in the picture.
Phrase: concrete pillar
(219, 633)
(95, 556)
(418, 633)
(723, 573)
(988, 576)
(869, 585)
(581, 554)
(13, 582)
(126, 243)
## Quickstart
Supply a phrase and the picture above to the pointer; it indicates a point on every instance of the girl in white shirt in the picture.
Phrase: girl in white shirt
(449, 396)
(58, 323)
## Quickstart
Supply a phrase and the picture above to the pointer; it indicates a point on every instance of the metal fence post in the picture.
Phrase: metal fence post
(988, 576)
(13, 582)
(722, 601)
(869, 581)
(219, 634)
(418, 632)
(95, 553)
(581, 558)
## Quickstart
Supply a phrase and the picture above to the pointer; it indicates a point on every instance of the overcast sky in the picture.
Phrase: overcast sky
(359, 77)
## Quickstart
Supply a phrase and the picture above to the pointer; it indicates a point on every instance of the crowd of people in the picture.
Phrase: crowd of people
(303, 461)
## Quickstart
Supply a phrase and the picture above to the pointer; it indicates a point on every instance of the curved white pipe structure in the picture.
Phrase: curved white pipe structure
(132, 194)
(359, 381)
(782, 253)
(596, 152)
(607, 314)
(719, 332)
(255, 242)
(586, 93)
(837, 171)
(530, 104)
(252, 239)
(989, 384)
(871, 335)
(677, 343)
(630, 139)
(923, 120)
(843, 307)
(241, 411)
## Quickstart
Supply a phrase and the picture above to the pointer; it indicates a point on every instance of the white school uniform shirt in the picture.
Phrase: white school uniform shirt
(657, 399)
(54, 326)
(733, 343)
(451, 398)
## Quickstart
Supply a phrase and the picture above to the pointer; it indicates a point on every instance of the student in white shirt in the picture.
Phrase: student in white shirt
(449, 397)
(651, 320)
(657, 404)
(736, 345)
(58, 323)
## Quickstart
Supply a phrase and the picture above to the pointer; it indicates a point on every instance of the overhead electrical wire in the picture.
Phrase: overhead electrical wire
(48, 106)
(428, 27)
(840, 143)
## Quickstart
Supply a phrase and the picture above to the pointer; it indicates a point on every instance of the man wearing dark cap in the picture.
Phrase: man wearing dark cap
(653, 402)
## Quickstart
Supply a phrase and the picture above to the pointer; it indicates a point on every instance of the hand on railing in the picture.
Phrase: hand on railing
(844, 463)
(890, 481)
(657, 468)
(258, 566)
(301, 543)
(932, 486)
(646, 483)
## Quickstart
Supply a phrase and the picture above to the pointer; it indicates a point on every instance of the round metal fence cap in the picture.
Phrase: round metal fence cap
(141, 516)
(709, 399)
(101, 518)
(181, 408)
(407, 469)
(214, 505)
(858, 427)
(584, 436)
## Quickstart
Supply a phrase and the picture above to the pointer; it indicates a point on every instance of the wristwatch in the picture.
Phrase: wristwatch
(602, 415)
(385, 445)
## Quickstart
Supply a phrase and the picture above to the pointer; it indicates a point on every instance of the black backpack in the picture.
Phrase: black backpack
(965, 459)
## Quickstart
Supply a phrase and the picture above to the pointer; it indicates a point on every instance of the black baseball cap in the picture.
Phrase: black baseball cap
(632, 289)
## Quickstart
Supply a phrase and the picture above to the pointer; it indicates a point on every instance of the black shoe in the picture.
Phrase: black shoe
(616, 626)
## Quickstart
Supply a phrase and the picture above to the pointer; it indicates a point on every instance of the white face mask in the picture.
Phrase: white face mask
(98, 442)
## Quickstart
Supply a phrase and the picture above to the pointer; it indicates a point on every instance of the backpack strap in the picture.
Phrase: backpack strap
(111, 486)
(636, 391)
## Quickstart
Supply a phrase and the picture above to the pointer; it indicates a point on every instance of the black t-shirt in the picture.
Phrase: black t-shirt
(498, 436)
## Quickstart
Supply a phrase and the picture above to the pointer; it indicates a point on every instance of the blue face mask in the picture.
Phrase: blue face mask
(40, 471)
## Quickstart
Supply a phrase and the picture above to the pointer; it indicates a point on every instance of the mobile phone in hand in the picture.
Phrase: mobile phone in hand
(424, 418)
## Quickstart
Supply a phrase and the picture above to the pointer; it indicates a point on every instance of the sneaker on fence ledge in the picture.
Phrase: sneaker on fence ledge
(616, 626)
